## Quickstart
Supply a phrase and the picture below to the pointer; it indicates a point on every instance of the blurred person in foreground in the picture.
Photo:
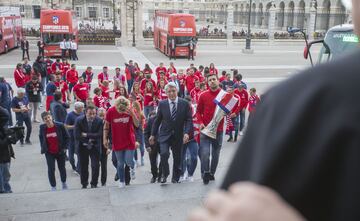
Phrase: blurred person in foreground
(307, 152)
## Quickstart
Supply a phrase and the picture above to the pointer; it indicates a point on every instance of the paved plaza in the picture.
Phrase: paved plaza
(32, 199)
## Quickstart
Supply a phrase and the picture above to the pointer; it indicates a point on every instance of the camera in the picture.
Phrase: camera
(14, 134)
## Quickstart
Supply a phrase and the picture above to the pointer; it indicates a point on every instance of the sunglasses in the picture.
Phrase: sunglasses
(347, 4)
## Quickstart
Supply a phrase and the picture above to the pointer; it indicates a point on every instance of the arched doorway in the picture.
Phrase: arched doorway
(301, 15)
(281, 15)
(260, 15)
(267, 15)
(290, 14)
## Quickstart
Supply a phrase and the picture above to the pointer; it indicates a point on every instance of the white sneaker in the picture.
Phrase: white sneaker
(182, 179)
(190, 179)
(121, 185)
(241, 133)
(132, 174)
(53, 188)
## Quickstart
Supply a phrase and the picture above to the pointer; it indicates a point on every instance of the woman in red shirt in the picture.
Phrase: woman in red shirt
(137, 68)
(139, 76)
(122, 121)
(139, 131)
(213, 70)
(161, 90)
(147, 69)
(136, 94)
(119, 90)
(149, 98)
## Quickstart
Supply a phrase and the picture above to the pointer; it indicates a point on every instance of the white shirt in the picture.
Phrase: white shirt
(171, 105)
(62, 45)
(73, 45)
(67, 45)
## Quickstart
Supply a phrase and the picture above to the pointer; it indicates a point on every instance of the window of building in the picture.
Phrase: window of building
(78, 11)
(92, 12)
(106, 12)
(36, 11)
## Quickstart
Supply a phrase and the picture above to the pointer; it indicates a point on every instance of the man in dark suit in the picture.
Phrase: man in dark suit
(88, 134)
(174, 115)
(25, 48)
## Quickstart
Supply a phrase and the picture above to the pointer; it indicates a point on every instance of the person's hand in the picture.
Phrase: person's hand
(233, 115)
(107, 151)
(152, 140)
(137, 144)
(148, 149)
(106, 144)
(202, 126)
(245, 202)
(83, 134)
(186, 138)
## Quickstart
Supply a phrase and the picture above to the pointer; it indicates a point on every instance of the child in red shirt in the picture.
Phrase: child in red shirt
(253, 101)
(99, 100)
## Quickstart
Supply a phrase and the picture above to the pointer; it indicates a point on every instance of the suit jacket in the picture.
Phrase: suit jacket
(95, 133)
(25, 44)
(172, 128)
(62, 134)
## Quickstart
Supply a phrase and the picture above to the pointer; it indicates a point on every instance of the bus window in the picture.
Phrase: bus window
(53, 38)
(183, 40)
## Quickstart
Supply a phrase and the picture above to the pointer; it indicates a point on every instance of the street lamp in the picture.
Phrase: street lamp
(248, 37)
(132, 5)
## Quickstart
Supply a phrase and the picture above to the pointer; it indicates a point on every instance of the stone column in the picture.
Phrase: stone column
(140, 22)
(311, 23)
(272, 23)
(123, 24)
(230, 24)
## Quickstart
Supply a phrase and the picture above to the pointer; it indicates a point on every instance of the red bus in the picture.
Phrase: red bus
(55, 25)
(182, 27)
(10, 32)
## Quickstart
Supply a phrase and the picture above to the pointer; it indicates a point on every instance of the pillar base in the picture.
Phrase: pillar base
(247, 51)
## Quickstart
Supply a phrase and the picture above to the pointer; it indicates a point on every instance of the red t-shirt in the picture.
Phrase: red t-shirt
(213, 71)
(20, 78)
(105, 92)
(222, 78)
(173, 69)
(63, 87)
(99, 101)
(190, 82)
(56, 67)
(200, 76)
(253, 101)
(160, 69)
(143, 84)
(195, 94)
(82, 91)
(64, 68)
(102, 77)
(162, 94)
(206, 108)
(122, 130)
(147, 71)
(244, 98)
(148, 98)
(72, 76)
(52, 140)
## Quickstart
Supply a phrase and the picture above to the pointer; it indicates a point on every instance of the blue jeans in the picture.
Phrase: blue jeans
(25, 119)
(71, 154)
(124, 157)
(189, 157)
(148, 110)
(242, 119)
(204, 152)
(130, 84)
(5, 178)
(139, 138)
(43, 83)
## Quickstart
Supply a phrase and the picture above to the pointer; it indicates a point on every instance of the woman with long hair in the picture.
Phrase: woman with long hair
(161, 90)
(149, 94)
(213, 70)
(119, 90)
(139, 132)
(136, 94)
(147, 69)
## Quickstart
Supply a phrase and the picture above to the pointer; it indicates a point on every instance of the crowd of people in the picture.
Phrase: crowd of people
(126, 114)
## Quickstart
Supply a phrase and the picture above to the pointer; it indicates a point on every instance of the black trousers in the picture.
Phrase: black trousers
(50, 160)
(70, 54)
(172, 54)
(84, 155)
(27, 54)
(41, 52)
(191, 54)
(74, 55)
(176, 148)
(103, 166)
(153, 156)
(63, 53)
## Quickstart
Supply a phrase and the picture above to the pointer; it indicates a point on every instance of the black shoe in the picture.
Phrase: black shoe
(28, 142)
(83, 187)
(159, 179)
(163, 180)
(153, 179)
(116, 178)
(235, 139)
(211, 177)
(103, 184)
(206, 178)
(93, 186)
(127, 183)
(230, 139)
(175, 181)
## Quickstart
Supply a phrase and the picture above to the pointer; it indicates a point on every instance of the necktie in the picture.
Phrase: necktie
(173, 111)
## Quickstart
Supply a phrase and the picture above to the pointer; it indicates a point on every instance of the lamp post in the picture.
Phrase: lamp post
(132, 5)
(248, 37)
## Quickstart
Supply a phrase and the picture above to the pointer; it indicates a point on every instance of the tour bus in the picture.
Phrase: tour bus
(338, 41)
(10, 29)
(55, 25)
(182, 27)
